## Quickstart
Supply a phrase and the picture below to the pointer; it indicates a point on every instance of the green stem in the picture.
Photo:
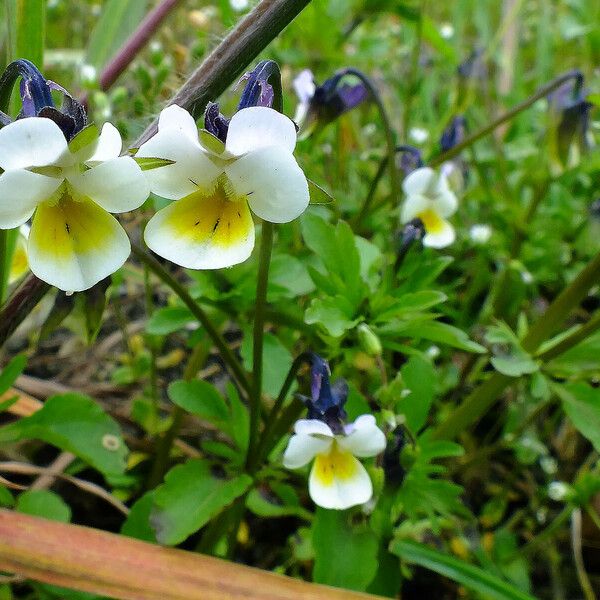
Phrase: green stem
(484, 396)
(507, 116)
(266, 248)
(226, 354)
(165, 443)
(152, 343)
(266, 438)
(389, 132)
(572, 339)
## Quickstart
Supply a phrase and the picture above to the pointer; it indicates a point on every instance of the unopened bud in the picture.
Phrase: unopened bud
(368, 340)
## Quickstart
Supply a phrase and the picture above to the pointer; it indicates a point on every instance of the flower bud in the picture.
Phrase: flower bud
(368, 340)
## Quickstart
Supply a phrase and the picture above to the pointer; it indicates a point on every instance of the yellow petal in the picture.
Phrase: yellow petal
(432, 221)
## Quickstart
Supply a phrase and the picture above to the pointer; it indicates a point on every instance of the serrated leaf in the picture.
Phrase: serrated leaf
(149, 163)
(317, 194)
(190, 496)
(75, 423)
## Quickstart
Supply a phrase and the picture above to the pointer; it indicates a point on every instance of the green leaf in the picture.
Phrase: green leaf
(240, 418)
(277, 361)
(201, 399)
(509, 358)
(88, 135)
(580, 361)
(288, 278)
(333, 313)
(149, 163)
(137, 525)
(345, 556)
(190, 496)
(75, 423)
(11, 371)
(442, 333)
(169, 319)
(317, 194)
(6, 498)
(27, 28)
(420, 378)
(211, 142)
(270, 504)
(473, 578)
(44, 503)
(410, 303)
(118, 21)
(581, 402)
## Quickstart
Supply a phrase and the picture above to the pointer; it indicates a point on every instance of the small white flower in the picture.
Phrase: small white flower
(446, 30)
(88, 74)
(430, 199)
(74, 242)
(304, 86)
(19, 264)
(210, 226)
(480, 233)
(418, 134)
(239, 5)
(337, 479)
(558, 491)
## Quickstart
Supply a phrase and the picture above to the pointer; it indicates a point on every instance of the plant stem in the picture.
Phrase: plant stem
(507, 116)
(389, 132)
(265, 441)
(227, 61)
(266, 248)
(584, 580)
(580, 334)
(484, 396)
(226, 354)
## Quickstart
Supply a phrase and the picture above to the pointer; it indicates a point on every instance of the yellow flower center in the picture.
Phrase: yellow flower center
(217, 215)
(431, 220)
(336, 463)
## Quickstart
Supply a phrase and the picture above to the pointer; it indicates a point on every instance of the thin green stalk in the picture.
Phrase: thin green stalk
(149, 304)
(389, 132)
(227, 355)
(484, 396)
(572, 339)
(507, 116)
(267, 435)
(364, 210)
(165, 443)
(266, 248)
(584, 580)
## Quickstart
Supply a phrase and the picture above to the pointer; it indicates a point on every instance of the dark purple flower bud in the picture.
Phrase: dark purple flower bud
(322, 104)
(263, 83)
(408, 159)
(215, 122)
(37, 101)
(394, 471)
(454, 133)
(473, 67)
(327, 400)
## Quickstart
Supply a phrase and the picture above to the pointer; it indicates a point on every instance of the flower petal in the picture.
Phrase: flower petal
(419, 181)
(338, 481)
(175, 117)
(441, 237)
(20, 192)
(75, 244)
(117, 185)
(413, 206)
(301, 449)
(259, 127)
(108, 145)
(364, 439)
(32, 142)
(192, 168)
(304, 86)
(19, 264)
(445, 202)
(275, 185)
(202, 232)
(312, 427)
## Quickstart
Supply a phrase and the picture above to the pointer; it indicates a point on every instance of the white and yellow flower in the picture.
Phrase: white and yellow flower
(216, 185)
(337, 479)
(74, 242)
(430, 199)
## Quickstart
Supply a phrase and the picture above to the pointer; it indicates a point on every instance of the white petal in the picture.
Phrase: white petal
(20, 192)
(304, 86)
(19, 264)
(312, 427)
(259, 127)
(275, 185)
(192, 168)
(301, 449)
(445, 203)
(419, 181)
(365, 439)
(109, 144)
(31, 142)
(75, 244)
(175, 117)
(339, 483)
(117, 185)
(198, 232)
(413, 206)
(440, 238)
